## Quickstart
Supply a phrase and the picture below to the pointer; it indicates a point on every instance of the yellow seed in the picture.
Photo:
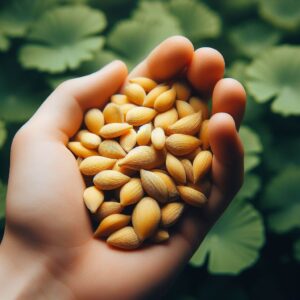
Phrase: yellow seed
(200, 105)
(170, 213)
(191, 156)
(128, 140)
(125, 108)
(144, 134)
(188, 167)
(93, 198)
(94, 164)
(165, 101)
(183, 92)
(187, 125)
(119, 99)
(166, 119)
(108, 208)
(154, 186)
(182, 144)
(111, 149)
(79, 150)
(94, 120)
(203, 186)
(125, 171)
(143, 157)
(192, 196)
(114, 130)
(113, 114)
(131, 192)
(173, 194)
(160, 236)
(184, 109)
(135, 93)
(124, 238)
(153, 94)
(109, 180)
(202, 165)
(88, 139)
(158, 138)
(140, 115)
(111, 224)
(175, 169)
(146, 83)
(146, 218)
(203, 136)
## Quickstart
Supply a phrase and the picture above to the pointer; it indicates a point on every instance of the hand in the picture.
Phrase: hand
(48, 250)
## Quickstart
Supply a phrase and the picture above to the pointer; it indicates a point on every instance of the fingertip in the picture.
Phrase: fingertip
(119, 64)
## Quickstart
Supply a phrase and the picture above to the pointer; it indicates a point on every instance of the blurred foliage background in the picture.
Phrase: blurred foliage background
(253, 252)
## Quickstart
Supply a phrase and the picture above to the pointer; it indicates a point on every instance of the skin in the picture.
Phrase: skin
(48, 250)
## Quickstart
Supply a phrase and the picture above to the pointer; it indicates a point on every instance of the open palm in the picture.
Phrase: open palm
(46, 217)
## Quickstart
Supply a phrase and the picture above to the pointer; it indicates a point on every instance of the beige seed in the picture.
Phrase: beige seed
(202, 165)
(183, 92)
(111, 149)
(184, 109)
(135, 93)
(143, 157)
(110, 179)
(175, 169)
(154, 186)
(160, 236)
(153, 94)
(119, 99)
(170, 213)
(79, 150)
(191, 156)
(94, 120)
(88, 139)
(108, 208)
(146, 218)
(203, 186)
(158, 138)
(94, 164)
(166, 119)
(128, 140)
(124, 238)
(182, 144)
(203, 136)
(165, 101)
(125, 108)
(192, 196)
(146, 83)
(138, 116)
(113, 114)
(114, 130)
(131, 192)
(144, 134)
(123, 170)
(111, 224)
(200, 105)
(188, 167)
(93, 198)
(187, 125)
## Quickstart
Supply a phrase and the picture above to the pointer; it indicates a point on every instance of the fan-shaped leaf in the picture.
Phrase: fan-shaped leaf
(281, 201)
(251, 186)
(4, 42)
(234, 242)
(2, 200)
(276, 74)
(59, 42)
(3, 134)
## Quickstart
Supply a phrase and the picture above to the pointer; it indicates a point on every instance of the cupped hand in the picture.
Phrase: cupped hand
(48, 227)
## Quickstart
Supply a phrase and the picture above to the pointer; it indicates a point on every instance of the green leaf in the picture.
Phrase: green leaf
(251, 186)
(3, 134)
(276, 74)
(196, 19)
(253, 37)
(297, 250)
(4, 43)
(283, 14)
(2, 200)
(17, 16)
(58, 43)
(238, 6)
(281, 201)
(234, 242)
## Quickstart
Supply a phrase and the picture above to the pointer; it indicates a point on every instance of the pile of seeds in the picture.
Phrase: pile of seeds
(147, 154)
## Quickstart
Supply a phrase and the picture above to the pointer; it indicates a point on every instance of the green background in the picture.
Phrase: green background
(253, 252)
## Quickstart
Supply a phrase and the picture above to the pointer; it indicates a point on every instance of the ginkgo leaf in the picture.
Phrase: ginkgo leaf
(4, 42)
(253, 37)
(281, 201)
(297, 250)
(3, 134)
(234, 242)
(2, 199)
(237, 6)
(283, 14)
(58, 43)
(250, 187)
(252, 147)
(276, 75)
(196, 19)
